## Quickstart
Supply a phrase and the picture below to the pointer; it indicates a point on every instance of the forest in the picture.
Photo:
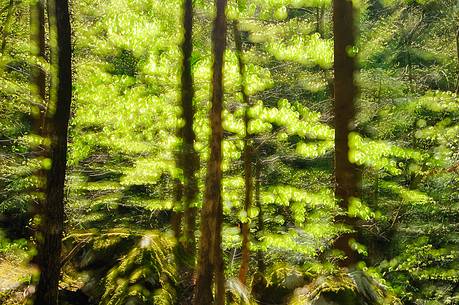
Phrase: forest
(239, 152)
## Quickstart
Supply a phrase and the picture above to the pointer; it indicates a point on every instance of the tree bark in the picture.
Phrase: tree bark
(247, 155)
(190, 161)
(210, 255)
(176, 218)
(346, 173)
(52, 217)
(38, 80)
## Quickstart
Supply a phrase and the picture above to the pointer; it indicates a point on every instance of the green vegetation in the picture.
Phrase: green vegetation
(149, 217)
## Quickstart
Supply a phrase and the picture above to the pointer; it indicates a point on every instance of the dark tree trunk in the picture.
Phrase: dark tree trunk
(247, 155)
(52, 216)
(176, 218)
(190, 161)
(346, 173)
(210, 255)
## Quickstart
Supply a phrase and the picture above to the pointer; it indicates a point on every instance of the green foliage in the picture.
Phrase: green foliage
(144, 276)
(122, 170)
(308, 51)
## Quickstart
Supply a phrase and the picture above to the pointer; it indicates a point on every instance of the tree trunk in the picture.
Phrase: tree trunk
(190, 161)
(259, 284)
(39, 75)
(247, 154)
(210, 255)
(346, 173)
(320, 14)
(260, 221)
(176, 218)
(6, 25)
(38, 80)
(52, 217)
(457, 50)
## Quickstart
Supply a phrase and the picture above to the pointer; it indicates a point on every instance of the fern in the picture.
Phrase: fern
(146, 275)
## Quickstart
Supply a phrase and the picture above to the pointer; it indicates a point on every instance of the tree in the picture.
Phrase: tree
(346, 173)
(247, 155)
(52, 214)
(211, 256)
(38, 80)
(189, 159)
(39, 74)
(6, 24)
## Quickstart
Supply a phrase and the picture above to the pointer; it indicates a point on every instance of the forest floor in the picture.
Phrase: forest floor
(13, 275)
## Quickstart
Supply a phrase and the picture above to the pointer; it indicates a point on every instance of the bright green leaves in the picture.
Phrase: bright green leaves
(298, 200)
(358, 209)
(314, 149)
(257, 78)
(233, 123)
(424, 261)
(233, 190)
(438, 101)
(274, 9)
(297, 120)
(308, 51)
(283, 195)
(109, 117)
(444, 130)
(296, 241)
(380, 155)
(407, 195)
(258, 126)
(358, 247)
(148, 171)
(142, 24)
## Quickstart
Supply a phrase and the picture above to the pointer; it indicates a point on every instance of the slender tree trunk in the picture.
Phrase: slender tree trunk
(176, 224)
(457, 50)
(259, 285)
(320, 13)
(210, 255)
(346, 173)
(260, 221)
(176, 219)
(190, 162)
(38, 77)
(322, 21)
(247, 154)
(6, 25)
(410, 68)
(52, 217)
